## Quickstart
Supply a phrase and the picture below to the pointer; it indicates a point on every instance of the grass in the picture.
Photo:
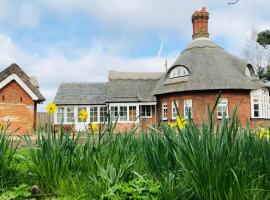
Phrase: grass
(225, 161)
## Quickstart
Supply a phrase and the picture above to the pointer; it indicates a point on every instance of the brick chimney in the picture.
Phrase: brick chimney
(200, 24)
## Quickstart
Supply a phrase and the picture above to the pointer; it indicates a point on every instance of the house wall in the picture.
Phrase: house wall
(17, 109)
(200, 100)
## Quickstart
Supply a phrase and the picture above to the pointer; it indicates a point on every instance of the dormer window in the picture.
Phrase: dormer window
(179, 71)
(249, 71)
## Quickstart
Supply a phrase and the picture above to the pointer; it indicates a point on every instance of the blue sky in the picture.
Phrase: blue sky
(81, 40)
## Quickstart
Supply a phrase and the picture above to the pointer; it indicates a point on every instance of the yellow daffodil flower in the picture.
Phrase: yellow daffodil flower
(1, 126)
(267, 135)
(180, 122)
(171, 124)
(83, 115)
(93, 126)
(262, 131)
(51, 108)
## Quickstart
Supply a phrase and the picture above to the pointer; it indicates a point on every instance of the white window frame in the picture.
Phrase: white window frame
(128, 105)
(91, 112)
(164, 111)
(187, 108)
(131, 116)
(103, 114)
(146, 116)
(79, 111)
(174, 109)
(123, 118)
(222, 103)
(66, 114)
(179, 71)
(261, 98)
(60, 113)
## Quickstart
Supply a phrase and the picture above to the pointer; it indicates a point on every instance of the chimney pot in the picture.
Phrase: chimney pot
(200, 23)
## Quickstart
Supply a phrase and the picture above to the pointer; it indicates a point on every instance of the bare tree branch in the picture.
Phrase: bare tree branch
(234, 2)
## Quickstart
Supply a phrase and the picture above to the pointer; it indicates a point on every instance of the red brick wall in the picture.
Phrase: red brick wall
(17, 108)
(201, 99)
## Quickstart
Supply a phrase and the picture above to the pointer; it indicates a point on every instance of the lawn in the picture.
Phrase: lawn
(195, 162)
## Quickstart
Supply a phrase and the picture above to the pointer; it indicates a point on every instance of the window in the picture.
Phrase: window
(79, 111)
(114, 113)
(179, 71)
(164, 111)
(93, 114)
(132, 113)
(187, 108)
(174, 109)
(260, 105)
(222, 108)
(60, 115)
(103, 113)
(146, 111)
(123, 113)
(70, 114)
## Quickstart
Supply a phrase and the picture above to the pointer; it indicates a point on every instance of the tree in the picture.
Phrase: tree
(256, 54)
(263, 38)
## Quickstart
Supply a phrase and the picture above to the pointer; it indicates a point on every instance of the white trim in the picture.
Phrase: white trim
(153, 103)
(20, 82)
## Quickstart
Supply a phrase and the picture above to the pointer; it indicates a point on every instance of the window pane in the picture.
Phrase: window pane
(132, 113)
(93, 114)
(164, 111)
(114, 113)
(70, 114)
(222, 108)
(60, 115)
(146, 111)
(123, 113)
(79, 111)
(103, 113)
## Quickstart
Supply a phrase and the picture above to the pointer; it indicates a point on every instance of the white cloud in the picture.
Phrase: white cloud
(92, 64)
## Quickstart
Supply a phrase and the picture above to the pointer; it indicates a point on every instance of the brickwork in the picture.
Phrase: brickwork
(17, 108)
(201, 99)
(200, 23)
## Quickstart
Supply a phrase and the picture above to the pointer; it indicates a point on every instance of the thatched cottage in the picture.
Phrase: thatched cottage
(202, 71)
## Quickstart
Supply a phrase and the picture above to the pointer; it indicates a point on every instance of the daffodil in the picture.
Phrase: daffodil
(262, 131)
(267, 135)
(93, 127)
(51, 108)
(171, 124)
(83, 115)
(1, 126)
(180, 122)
